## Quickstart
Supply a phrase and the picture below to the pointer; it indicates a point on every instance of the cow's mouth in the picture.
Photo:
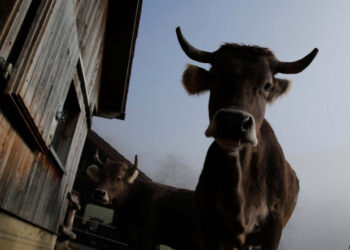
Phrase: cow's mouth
(102, 202)
(229, 146)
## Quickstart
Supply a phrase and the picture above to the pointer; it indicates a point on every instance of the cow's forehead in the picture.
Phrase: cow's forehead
(114, 167)
(234, 59)
(232, 66)
(244, 51)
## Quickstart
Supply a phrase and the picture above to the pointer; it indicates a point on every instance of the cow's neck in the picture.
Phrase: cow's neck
(235, 166)
(253, 161)
(130, 195)
(120, 202)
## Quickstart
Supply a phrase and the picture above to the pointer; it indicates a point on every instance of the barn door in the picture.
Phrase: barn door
(42, 77)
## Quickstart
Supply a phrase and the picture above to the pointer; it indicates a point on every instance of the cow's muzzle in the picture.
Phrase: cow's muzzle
(100, 196)
(232, 128)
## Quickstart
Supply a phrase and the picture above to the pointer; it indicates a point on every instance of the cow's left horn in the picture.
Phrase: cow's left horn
(135, 162)
(192, 52)
(297, 66)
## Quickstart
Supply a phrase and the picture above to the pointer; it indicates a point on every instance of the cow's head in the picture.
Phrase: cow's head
(113, 178)
(241, 81)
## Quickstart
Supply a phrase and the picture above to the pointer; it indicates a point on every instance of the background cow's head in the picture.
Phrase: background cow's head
(241, 81)
(113, 178)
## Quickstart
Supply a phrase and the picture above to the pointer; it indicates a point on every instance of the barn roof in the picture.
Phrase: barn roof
(107, 151)
(121, 31)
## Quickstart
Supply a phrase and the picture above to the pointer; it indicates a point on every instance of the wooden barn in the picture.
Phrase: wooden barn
(61, 62)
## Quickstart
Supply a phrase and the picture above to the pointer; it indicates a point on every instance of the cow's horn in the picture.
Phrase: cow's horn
(97, 158)
(192, 52)
(135, 162)
(297, 66)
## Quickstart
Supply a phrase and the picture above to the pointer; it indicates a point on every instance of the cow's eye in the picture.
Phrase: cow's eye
(268, 86)
(118, 178)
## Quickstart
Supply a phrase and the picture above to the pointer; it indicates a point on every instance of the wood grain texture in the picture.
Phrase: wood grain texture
(31, 187)
(91, 26)
(12, 14)
(48, 79)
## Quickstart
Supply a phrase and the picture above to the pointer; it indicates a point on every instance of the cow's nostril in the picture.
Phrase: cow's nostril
(246, 124)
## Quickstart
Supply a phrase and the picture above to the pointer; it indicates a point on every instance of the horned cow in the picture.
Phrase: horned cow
(247, 190)
(148, 213)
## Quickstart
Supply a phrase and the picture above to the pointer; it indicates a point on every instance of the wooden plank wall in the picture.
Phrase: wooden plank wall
(42, 77)
(31, 185)
(12, 14)
(91, 25)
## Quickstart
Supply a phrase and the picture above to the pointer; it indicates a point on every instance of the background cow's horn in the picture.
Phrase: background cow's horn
(97, 158)
(135, 162)
(192, 52)
(297, 66)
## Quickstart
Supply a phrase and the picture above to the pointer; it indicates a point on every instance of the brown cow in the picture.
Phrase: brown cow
(247, 190)
(148, 213)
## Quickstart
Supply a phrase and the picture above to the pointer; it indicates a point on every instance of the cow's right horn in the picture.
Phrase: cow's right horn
(297, 66)
(192, 52)
(97, 158)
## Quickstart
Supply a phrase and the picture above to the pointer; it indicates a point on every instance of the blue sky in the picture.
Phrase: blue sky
(165, 126)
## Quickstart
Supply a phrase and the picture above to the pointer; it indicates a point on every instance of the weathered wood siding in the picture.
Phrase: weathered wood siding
(45, 70)
(31, 186)
(62, 48)
(91, 25)
(12, 14)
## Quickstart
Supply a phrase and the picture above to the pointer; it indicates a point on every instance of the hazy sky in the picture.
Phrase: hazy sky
(165, 126)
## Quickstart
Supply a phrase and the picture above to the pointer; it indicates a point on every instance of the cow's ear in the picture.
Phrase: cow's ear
(93, 172)
(133, 177)
(280, 87)
(195, 79)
